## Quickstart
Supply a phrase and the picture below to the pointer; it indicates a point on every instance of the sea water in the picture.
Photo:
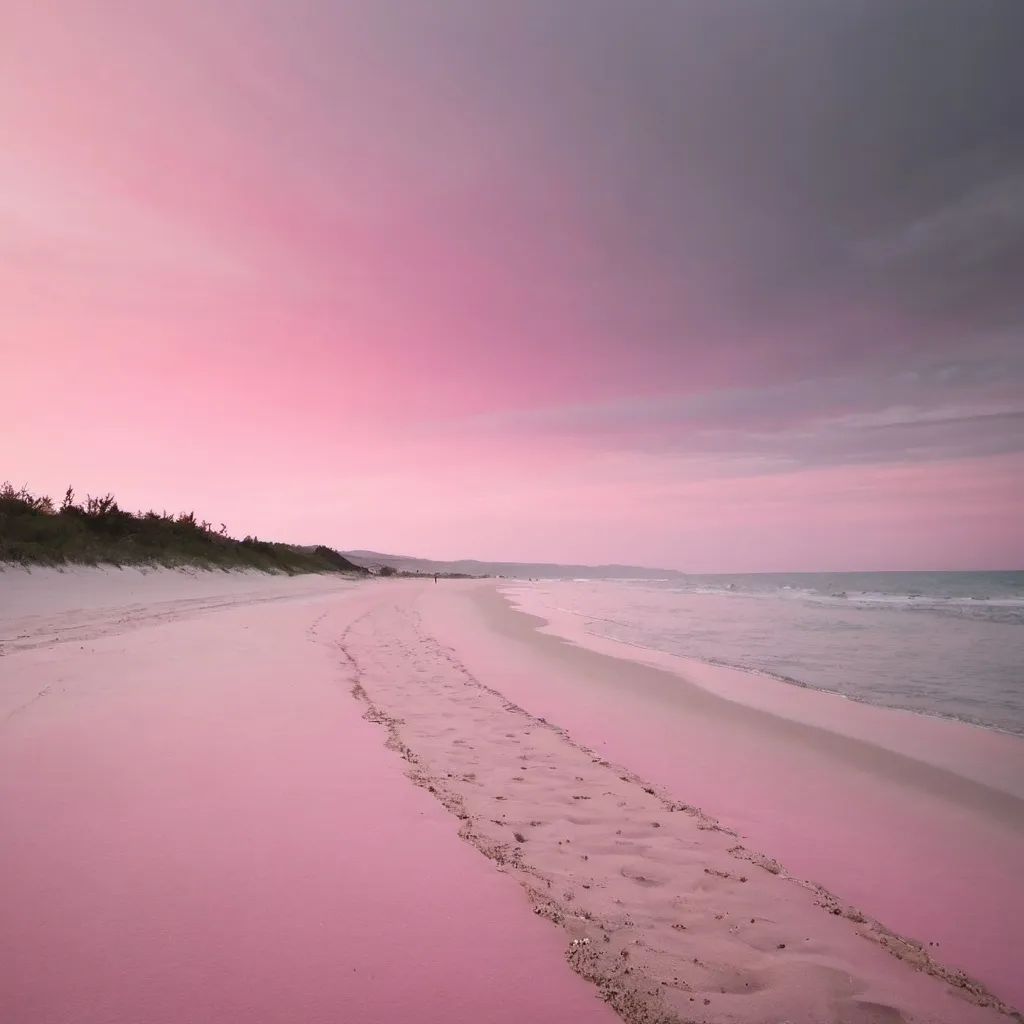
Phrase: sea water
(938, 643)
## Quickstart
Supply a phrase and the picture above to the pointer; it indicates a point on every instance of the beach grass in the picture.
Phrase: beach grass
(35, 531)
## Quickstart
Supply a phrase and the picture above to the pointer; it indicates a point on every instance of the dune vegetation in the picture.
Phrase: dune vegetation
(35, 531)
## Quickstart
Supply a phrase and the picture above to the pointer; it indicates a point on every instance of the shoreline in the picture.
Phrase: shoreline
(935, 663)
(940, 741)
(346, 802)
(939, 865)
(623, 897)
(788, 680)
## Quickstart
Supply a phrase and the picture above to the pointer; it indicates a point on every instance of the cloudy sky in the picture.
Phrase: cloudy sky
(707, 284)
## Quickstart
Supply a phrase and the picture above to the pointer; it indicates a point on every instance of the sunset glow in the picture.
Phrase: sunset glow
(510, 282)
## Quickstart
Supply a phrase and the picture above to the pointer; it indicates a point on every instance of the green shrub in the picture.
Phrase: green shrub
(100, 531)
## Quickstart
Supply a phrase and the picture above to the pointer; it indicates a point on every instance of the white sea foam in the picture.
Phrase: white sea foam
(948, 644)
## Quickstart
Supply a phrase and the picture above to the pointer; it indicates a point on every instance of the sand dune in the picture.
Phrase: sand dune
(210, 815)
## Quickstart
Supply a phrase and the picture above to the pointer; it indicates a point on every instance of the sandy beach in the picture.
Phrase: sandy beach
(231, 797)
(916, 820)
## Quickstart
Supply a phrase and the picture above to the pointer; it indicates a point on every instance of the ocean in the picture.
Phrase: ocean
(939, 643)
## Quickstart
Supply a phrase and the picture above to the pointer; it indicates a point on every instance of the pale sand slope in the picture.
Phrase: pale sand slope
(197, 825)
(934, 852)
(42, 605)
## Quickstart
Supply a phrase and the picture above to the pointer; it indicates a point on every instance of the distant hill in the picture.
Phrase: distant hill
(513, 570)
(33, 531)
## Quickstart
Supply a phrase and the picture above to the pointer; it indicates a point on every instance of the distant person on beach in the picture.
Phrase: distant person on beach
(435, 577)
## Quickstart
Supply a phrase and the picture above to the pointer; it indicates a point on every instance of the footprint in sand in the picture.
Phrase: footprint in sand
(647, 881)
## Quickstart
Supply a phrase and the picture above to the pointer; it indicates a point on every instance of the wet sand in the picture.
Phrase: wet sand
(933, 851)
(342, 802)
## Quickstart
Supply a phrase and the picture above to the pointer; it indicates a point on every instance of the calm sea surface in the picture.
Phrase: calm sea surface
(949, 644)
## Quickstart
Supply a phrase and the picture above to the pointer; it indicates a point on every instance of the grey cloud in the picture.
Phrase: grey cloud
(944, 410)
(750, 184)
(965, 258)
(741, 179)
(925, 440)
(937, 436)
(740, 166)
(977, 383)
(769, 151)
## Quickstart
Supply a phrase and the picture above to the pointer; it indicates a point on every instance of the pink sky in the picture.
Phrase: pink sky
(374, 280)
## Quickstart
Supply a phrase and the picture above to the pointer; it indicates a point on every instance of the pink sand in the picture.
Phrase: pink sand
(667, 914)
(931, 844)
(198, 826)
